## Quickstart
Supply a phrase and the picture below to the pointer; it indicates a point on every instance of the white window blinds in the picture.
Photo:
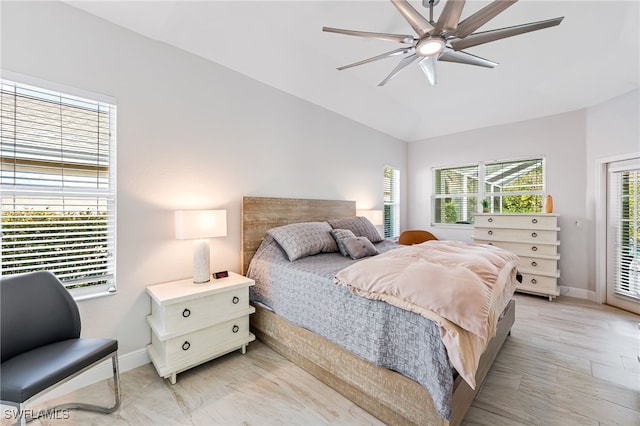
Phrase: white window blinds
(625, 217)
(391, 187)
(57, 185)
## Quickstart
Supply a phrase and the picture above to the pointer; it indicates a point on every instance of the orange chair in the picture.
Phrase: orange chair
(415, 236)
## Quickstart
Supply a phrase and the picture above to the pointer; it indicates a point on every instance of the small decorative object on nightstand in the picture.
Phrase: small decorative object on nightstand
(194, 323)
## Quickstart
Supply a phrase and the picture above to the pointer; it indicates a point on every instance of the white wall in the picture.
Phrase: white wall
(191, 134)
(571, 144)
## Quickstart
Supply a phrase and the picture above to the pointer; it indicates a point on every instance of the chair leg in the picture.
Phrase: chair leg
(96, 408)
(21, 418)
(25, 416)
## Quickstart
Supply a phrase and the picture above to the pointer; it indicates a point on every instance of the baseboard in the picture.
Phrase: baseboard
(579, 293)
(98, 373)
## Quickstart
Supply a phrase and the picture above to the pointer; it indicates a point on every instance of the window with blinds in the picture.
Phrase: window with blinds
(57, 184)
(625, 212)
(455, 194)
(507, 187)
(391, 187)
(514, 186)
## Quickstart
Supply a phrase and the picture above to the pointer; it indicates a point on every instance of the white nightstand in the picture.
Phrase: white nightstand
(194, 323)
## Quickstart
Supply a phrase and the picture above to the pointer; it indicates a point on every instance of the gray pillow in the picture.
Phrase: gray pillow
(304, 239)
(358, 247)
(339, 235)
(359, 225)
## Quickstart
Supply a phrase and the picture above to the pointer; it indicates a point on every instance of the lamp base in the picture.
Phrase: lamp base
(201, 261)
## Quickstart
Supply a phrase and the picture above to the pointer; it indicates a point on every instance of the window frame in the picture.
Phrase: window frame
(481, 193)
(624, 182)
(108, 196)
(391, 203)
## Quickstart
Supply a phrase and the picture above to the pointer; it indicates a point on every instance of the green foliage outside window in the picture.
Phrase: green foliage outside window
(33, 239)
(450, 214)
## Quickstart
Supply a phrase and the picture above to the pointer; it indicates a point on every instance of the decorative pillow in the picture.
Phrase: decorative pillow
(339, 235)
(358, 247)
(359, 225)
(304, 239)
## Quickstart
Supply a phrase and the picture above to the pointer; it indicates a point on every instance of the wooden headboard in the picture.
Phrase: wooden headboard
(259, 214)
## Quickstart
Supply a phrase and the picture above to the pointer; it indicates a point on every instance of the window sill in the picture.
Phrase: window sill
(453, 225)
(80, 294)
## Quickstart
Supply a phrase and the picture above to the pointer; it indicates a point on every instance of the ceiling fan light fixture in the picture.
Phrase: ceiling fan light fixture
(431, 46)
(444, 39)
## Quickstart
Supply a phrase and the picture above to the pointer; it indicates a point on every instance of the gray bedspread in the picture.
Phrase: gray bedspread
(303, 292)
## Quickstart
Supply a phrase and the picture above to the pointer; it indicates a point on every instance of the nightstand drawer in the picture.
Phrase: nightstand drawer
(201, 343)
(196, 313)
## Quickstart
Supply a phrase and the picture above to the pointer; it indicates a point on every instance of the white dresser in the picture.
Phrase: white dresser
(194, 323)
(534, 238)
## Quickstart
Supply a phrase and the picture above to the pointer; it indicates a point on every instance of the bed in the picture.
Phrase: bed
(390, 396)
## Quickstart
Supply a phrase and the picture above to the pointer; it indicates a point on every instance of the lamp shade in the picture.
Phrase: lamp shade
(197, 224)
(374, 216)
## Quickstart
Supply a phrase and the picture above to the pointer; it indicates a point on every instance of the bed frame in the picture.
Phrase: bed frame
(387, 395)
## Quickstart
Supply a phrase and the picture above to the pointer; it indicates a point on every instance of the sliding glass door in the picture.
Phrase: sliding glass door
(623, 235)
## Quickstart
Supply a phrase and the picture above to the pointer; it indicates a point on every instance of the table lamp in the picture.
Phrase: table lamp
(199, 226)
(374, 216)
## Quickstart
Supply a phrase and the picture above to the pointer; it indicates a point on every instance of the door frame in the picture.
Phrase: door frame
(601, 217)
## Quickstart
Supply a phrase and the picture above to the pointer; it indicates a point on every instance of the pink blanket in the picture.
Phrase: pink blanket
(462, 287)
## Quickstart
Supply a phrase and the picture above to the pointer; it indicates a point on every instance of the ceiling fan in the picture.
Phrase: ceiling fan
(444, 39)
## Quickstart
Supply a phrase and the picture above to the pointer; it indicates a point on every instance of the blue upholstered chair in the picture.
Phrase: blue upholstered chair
(41, 344)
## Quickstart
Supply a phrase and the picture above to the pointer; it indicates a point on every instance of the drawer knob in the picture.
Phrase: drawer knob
(534, 220)
(534, 234)
(186, 313)
(534, 281)
(490, 244)
(534, 248)
(235, 300)
(235, 328)
(534, 264)
(186, 345)
(490, 219)
(490, 232)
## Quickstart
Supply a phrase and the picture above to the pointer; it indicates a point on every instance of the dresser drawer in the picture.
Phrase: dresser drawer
(192, 314)
(201, 344)
(517, 221)
(524, 249)
(537, 265)
(519, 235)
(538, 284)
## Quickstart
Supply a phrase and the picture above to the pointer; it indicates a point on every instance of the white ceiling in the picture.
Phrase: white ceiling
(592, 56)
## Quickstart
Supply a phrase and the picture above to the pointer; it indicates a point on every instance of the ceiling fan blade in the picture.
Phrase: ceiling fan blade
(399, 38)
(396, 52)
(481, 17)
(450, 16)
(428, 66)
(493, 35)
(407, 60)
(451, 55)
(418, 22)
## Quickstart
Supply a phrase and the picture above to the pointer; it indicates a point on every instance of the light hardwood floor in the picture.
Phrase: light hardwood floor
(567, 362)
